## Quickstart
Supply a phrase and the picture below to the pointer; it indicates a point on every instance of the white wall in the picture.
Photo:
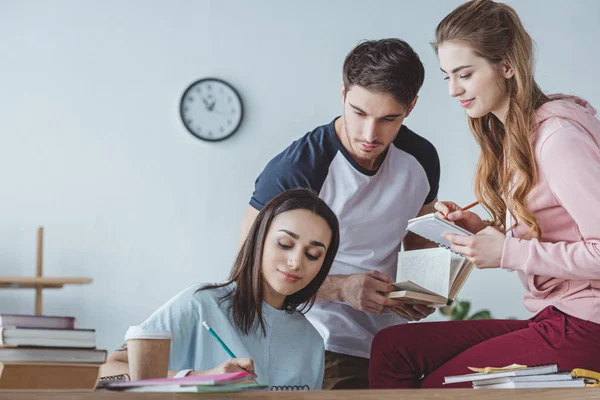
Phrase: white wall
(93, 149)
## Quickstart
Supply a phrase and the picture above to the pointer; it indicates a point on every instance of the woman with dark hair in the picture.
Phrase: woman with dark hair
(258, 311)
(539, 177)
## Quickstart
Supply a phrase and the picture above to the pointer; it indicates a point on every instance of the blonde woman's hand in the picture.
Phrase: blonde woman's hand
(465, 219)
(484, 249)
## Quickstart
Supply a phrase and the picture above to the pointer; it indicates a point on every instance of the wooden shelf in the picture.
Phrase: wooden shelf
(39, 282)
(44, 282)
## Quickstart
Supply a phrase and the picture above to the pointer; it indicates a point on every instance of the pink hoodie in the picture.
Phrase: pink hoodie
(563, 269)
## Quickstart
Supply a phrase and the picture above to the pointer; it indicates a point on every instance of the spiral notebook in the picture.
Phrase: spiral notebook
(287, 388)
(432, 226)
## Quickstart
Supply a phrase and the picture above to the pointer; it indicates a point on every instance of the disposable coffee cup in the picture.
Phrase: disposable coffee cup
(148, 353)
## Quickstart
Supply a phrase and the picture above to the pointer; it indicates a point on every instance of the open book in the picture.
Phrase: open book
(430, 276)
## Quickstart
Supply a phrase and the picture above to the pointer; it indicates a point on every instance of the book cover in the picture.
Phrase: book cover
(47, 376)
(225, 388)
(562, 376)
(478, 376)
(51, 355)
(534, 384)
(80, 338)
(432, 226)
(37, 321)
(195, 380)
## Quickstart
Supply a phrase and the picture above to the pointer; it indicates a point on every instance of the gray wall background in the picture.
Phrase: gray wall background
(93, 149)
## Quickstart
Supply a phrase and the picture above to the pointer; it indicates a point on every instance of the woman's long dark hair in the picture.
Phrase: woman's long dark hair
(246, 271)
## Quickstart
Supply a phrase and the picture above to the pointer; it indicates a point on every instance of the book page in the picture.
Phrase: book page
(461, 278)
(456, 264)
(428, 268)
(412, 287)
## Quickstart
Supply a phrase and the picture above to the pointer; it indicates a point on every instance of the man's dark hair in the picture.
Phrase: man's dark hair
(386, 65)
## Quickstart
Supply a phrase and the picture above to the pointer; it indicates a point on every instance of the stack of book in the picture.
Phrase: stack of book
(47, 353)
(523, 377)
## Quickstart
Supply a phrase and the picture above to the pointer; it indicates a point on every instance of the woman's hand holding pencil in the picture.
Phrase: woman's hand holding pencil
(460, 216)
(233, 365)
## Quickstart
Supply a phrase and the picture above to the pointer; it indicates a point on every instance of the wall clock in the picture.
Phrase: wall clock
(211, 109)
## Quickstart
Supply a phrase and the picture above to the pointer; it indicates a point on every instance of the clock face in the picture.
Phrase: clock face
(211, 109)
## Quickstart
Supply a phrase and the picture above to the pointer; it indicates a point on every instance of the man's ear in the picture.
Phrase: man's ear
(411, 106)
(343, 92)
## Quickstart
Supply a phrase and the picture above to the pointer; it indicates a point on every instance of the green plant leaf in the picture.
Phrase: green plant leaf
(446, 310)
(483, 314)
(460, 310)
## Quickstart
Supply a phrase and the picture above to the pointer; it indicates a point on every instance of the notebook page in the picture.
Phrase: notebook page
(429, 268)
(431, 227)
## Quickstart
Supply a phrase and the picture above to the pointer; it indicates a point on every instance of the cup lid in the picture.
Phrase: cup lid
(137, 332)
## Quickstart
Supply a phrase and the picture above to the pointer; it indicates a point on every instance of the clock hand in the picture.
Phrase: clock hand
(208, 107)
(221, 112)
(212, 106)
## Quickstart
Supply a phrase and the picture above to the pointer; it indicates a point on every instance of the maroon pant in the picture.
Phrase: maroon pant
(422, 354)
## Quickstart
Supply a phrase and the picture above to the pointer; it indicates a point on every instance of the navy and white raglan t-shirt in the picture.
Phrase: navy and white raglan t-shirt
(373, 208)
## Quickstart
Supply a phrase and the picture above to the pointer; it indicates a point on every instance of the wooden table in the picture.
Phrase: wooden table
(407, 394)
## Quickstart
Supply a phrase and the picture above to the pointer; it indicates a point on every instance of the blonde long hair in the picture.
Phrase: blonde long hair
(495, 32)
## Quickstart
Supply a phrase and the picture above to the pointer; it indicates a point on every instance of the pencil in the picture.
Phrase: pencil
(214, 334)
(473, 204)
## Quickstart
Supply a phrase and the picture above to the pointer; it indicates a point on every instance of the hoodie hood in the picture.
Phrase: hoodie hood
(574, 109)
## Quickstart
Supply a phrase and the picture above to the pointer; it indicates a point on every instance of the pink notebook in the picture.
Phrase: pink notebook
(200, 380)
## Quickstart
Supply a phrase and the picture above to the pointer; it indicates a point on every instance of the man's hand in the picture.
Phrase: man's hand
(413, 312)
(366, 292)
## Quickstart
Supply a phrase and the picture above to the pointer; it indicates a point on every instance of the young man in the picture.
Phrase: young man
(375, 174)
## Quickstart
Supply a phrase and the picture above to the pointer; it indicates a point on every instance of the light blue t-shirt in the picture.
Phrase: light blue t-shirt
(291, 353)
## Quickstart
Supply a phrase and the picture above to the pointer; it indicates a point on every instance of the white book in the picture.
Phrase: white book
(51, 355)
(535, 384)
(562, 376)
(80, 338)
(432, 226)
(478, 376)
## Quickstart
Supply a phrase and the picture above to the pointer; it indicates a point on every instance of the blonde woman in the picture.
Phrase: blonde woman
(539, 176)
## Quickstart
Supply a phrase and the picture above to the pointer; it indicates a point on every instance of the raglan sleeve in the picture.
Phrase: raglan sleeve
(282, 173)
(570, 161)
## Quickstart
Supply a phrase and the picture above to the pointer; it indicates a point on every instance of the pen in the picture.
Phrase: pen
(214, 334)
